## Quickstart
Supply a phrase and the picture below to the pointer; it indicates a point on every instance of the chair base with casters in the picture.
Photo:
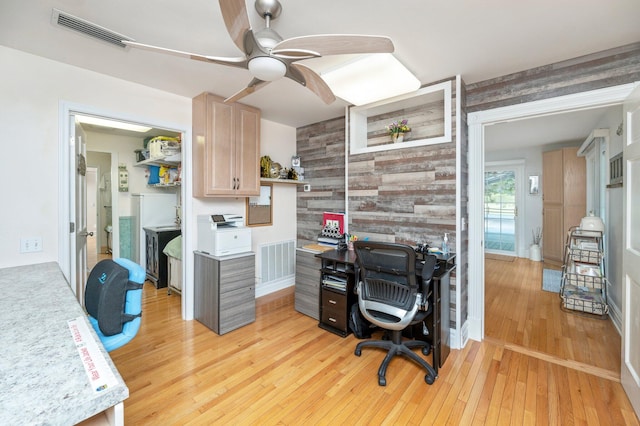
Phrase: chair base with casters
(397, 346)
(390, 297)
(125, 285)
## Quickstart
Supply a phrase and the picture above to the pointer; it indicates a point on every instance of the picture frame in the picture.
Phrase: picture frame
(260, 208)
(295, 161)
(534, 185)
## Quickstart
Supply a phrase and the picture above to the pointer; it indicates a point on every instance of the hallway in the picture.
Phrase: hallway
(529, 320)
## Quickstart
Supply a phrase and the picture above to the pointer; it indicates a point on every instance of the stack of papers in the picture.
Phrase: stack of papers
(338, 283)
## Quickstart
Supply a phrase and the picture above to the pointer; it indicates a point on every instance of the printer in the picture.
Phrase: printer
(223, 234)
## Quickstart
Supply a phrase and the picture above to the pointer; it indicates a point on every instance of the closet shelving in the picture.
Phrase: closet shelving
(584, 283)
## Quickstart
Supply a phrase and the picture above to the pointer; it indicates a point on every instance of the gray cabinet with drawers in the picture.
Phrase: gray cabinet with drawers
(225, 295)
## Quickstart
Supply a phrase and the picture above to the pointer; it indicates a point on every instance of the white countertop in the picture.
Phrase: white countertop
(42, 376)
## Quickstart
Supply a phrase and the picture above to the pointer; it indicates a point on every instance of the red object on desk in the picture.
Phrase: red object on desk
(333, 217)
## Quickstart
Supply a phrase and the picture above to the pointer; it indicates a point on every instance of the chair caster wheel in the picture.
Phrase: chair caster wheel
(429, 379)
(426, 350)
(358, 352)
(383, 382)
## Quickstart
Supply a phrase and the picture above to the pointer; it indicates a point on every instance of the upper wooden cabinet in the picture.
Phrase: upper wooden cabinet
(226, 148)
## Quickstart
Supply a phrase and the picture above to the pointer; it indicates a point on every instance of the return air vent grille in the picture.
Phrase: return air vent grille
(74, 23)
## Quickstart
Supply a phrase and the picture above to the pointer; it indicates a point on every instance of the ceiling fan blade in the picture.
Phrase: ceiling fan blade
(335, 44)
(315, 83)
(236, 19)
(240, 62)
(254, 85)
(297, 54)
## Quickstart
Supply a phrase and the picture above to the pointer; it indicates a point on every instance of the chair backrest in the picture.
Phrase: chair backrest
(113, 295)
(387, 286)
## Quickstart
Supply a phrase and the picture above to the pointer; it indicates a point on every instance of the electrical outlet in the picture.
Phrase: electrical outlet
(30, 245)
(307, 187)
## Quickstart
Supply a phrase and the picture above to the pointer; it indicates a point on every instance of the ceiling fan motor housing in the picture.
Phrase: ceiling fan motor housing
(269, 8)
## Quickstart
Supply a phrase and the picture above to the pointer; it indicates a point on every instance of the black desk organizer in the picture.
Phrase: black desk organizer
(337, 280)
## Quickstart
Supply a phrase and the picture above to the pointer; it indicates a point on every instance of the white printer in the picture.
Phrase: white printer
(223, 234)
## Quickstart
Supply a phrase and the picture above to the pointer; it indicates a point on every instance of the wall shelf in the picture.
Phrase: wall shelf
(285, 181)
(171, 160)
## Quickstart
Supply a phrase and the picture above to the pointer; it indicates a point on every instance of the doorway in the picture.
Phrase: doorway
(67, 203)
(477, 122)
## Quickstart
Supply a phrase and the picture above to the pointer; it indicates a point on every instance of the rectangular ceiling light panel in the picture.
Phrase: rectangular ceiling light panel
(90, 29)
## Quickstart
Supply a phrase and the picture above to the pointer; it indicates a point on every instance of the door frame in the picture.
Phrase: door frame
(518, 166)
(67, 109)
(477, 121)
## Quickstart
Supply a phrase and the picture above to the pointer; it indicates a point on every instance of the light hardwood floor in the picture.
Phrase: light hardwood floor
(284, 370)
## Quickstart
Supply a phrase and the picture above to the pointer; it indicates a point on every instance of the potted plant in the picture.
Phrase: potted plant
(534, 249)
(397, 129)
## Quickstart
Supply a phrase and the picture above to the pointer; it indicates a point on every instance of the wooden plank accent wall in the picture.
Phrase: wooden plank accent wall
(596, 71)
(405, 195)
(321, 147)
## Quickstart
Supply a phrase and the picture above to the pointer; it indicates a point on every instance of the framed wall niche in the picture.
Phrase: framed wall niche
(260, 208)
(428, 111)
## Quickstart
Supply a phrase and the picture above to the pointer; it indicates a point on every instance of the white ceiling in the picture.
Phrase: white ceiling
(435, 39)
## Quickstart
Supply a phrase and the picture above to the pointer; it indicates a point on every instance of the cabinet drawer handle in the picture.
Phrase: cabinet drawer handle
(332, 319)
(333, 302)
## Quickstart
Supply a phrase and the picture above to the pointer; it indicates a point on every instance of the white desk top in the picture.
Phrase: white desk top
(42, 376)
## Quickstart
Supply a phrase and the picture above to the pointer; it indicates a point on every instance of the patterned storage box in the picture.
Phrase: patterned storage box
(585, 281)
(584, 301)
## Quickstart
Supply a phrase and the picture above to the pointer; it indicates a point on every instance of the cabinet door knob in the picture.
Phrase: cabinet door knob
(333, 302)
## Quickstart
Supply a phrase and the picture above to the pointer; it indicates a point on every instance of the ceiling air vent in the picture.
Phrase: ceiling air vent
(74, 23)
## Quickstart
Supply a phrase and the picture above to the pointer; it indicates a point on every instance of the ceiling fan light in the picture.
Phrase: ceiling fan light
(266, 68)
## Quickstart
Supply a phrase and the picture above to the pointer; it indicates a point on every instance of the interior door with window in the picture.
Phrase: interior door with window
(501, 209)
(630, 365)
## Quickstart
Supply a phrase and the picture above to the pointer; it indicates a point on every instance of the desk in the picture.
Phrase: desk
(335, 302)
(42, 377)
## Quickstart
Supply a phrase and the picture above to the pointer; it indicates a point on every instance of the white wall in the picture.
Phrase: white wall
(32, 90)
(614, 237)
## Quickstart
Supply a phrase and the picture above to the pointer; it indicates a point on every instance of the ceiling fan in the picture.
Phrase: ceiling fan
(269, 57)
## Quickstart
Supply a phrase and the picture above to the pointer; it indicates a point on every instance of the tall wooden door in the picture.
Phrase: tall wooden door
(630, 365)
(564, 198)
(552, 206)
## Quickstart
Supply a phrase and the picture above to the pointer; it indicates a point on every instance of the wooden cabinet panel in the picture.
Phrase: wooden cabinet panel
(248, 153)
(575, 187)
(564, 198)
(307, 291)
(552, 234)
(226, 148)
(552, 177)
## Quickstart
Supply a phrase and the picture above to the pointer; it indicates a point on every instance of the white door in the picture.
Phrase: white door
(94, 242)
(630, 366)
(78, 196)
(502, 201)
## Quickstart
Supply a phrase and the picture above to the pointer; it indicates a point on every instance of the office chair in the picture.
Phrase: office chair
(113, 300)
(389, 297)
